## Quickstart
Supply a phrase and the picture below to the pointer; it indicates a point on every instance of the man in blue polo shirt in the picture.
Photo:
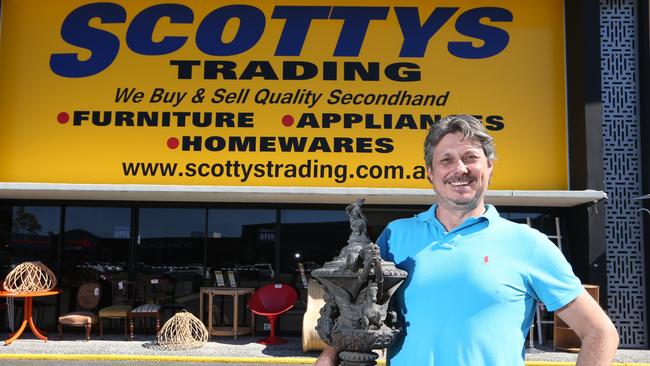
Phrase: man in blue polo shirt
(474, 277)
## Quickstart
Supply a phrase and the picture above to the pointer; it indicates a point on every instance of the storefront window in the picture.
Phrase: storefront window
(5, 239)
(171, 240)
(96, 244)
(242, 241)
(311, 237)
(35, 235)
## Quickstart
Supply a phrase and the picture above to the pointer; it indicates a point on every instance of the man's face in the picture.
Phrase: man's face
(460, 172)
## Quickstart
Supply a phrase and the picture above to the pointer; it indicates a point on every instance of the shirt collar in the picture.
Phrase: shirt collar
(429, 215)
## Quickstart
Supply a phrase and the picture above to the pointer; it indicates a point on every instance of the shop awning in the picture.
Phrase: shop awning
(175, 193)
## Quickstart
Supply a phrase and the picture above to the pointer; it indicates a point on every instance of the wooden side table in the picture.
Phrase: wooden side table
(27, 313)
(235, 292)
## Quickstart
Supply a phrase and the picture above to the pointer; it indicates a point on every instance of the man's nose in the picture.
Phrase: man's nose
(460, 166)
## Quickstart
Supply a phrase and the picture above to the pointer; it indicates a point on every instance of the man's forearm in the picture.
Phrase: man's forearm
(598, 336)
(598, 348)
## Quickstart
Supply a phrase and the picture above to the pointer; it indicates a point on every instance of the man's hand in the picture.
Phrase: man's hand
(597, 333)
(327, 358)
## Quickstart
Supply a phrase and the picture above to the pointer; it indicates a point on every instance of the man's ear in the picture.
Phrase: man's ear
(430, 175)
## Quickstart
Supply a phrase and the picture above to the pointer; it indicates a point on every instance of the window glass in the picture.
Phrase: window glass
(170, 247)
(171, 239)
(242, 241)
(5, 239)
(35, 235)
(311, 237)
(96, 244)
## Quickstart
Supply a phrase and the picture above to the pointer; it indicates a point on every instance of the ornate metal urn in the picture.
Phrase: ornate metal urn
(358, 286)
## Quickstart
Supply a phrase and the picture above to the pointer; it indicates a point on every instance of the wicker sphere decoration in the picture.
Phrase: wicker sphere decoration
(30, 277)
(182, 331)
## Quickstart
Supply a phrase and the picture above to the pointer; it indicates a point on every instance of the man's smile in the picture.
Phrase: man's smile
(460, 181)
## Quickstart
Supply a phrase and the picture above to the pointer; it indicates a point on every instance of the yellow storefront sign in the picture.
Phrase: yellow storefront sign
(276, 93)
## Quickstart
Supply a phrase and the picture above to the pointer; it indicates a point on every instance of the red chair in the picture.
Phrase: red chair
(271, 301)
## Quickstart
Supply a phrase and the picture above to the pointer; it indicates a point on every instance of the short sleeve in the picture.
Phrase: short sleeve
(551, 276)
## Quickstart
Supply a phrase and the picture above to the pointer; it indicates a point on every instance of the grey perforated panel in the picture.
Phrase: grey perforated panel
(621, 139)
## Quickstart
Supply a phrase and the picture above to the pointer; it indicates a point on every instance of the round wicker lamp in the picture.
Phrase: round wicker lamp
(182, 331)
(30, 277)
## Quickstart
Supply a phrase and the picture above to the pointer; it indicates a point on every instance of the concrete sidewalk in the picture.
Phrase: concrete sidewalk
(224, 350)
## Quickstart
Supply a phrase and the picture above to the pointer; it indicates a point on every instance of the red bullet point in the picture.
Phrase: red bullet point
(172, 143)
(287, 120)
(63, 117)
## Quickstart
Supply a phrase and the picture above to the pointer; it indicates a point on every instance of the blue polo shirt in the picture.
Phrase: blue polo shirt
(470, 295)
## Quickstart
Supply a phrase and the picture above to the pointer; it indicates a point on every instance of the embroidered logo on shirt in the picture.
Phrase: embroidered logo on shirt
(486, 259)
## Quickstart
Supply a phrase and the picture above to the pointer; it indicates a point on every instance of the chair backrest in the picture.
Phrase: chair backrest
(165, 290)
(123, 292)
(154, 290)
(88, 295)
(273, 298)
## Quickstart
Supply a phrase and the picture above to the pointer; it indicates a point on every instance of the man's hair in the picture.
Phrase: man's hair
(470, 127)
